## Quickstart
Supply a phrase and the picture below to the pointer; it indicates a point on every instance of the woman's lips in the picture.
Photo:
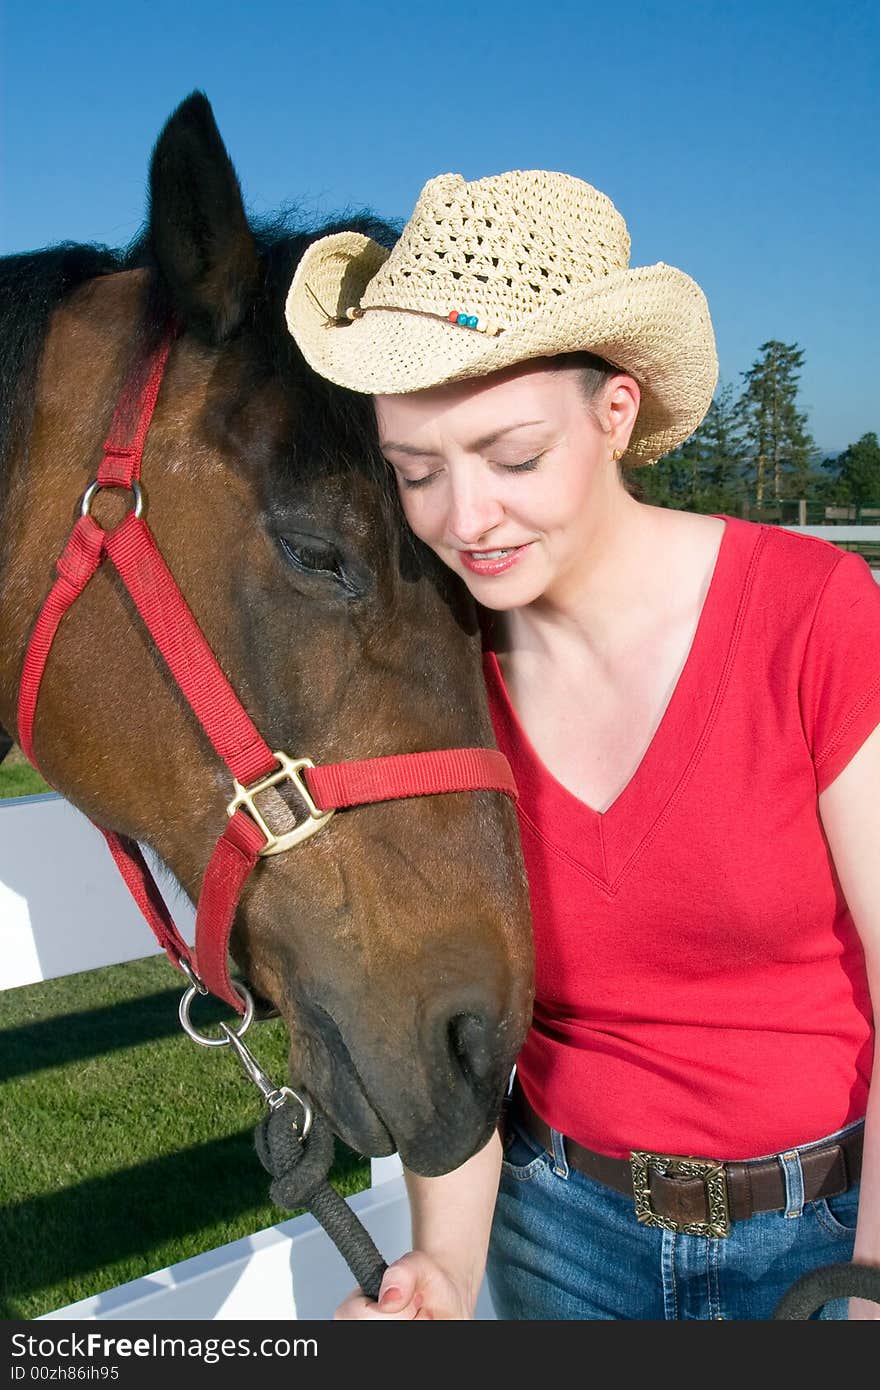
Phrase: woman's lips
(497, 564)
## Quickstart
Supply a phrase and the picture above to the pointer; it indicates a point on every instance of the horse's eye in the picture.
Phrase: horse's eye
(311, 556)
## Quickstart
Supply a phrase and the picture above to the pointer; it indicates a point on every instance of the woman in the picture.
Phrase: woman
(690, 705)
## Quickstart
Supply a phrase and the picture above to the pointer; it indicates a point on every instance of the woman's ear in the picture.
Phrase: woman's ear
(619, 408)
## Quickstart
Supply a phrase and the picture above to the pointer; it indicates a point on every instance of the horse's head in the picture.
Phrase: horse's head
(395, 943)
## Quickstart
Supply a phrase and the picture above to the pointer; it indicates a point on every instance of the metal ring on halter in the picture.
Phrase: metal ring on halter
(183, 1013)
(198, 985)
(94, 488)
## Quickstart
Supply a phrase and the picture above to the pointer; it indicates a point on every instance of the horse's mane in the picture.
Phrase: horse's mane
(31, 285)
(35, 283)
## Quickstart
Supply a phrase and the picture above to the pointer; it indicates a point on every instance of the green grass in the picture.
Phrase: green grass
(18, 778)
(124, 1147)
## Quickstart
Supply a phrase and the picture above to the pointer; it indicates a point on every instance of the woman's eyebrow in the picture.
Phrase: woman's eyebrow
(483, 442)
(413, 449)
(488, 439)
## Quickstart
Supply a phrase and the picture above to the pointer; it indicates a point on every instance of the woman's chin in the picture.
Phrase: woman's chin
(503, 591)
(500, 601)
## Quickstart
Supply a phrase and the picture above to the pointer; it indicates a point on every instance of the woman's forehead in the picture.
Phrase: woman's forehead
(522, 395)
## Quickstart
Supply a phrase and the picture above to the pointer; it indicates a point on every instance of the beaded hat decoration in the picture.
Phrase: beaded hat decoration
(496, 272)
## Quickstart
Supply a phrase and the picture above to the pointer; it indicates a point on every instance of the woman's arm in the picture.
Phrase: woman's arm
(850, 813)
(452, 1217)
(451, 1221)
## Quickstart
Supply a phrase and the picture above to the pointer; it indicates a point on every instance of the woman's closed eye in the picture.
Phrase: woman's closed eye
(418, 482)
(526, 467)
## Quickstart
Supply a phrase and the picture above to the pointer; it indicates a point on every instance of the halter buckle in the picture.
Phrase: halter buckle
(289, 771)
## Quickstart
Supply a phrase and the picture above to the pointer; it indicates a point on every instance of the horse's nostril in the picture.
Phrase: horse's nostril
(470, 1042)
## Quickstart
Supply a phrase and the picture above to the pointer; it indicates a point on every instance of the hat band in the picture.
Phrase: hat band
(460, 318)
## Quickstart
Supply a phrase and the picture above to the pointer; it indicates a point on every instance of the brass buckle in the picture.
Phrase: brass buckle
(289, 771)
(708, 1170)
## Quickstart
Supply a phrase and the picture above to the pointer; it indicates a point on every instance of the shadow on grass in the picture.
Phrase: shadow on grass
(129, 1216)
(94, 1032)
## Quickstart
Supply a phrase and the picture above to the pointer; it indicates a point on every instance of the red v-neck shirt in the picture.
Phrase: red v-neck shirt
(700, 985)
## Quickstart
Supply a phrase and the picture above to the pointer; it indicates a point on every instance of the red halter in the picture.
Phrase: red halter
(254, 767)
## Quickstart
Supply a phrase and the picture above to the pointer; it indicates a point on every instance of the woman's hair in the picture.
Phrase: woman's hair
(594, 371)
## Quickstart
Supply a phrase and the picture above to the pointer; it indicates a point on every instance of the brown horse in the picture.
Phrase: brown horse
(396, 942)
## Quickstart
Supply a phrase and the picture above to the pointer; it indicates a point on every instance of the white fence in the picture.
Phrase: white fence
(63, 909)
(839, 535)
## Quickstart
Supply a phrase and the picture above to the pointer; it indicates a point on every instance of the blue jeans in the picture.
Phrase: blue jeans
(564, 1246)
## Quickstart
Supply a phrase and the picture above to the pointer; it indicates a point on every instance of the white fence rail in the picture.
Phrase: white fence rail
(839, 535)
(63, 909)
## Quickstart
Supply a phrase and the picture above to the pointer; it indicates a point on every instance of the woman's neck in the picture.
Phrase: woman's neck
(625, 577)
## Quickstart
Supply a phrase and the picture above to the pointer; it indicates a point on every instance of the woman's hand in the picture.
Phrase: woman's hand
(451, 1218)
(863, 1310)
(414, 1288)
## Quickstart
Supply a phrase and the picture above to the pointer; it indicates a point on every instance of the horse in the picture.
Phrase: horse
(396, 943)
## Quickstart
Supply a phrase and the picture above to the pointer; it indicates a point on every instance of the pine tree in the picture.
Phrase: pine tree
(722, 486)
(705, 472)
(830, 488)
(667, 484)
(859, 469)
(777, 444)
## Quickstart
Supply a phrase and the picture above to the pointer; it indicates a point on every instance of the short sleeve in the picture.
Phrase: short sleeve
(840, 675)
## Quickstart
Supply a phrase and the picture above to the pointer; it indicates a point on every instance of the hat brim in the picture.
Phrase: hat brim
(652, 322)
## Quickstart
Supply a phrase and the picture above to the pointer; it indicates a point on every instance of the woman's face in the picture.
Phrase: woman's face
(509, 477)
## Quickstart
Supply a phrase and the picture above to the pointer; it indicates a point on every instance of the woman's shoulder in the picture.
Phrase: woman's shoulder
(751, 553)
(806, 596)
(789, 554)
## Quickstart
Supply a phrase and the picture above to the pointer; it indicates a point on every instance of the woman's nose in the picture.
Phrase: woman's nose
(474, 510)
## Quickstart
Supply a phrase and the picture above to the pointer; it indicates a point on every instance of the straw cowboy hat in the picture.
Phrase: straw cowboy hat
(497, 271)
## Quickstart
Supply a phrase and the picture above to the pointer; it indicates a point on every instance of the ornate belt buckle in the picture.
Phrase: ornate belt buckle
(710, 1172)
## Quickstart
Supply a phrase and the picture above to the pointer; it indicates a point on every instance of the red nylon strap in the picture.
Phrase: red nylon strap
(190, 660)
(124, 447)
(410, 774)
(141, 884)
(76, 565)
(235, 854)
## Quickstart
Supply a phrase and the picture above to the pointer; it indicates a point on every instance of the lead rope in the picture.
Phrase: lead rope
(295, 1146)
(812, 1291)
(299, 1167)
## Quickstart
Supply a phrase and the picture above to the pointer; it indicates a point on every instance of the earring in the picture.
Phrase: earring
(618, 454)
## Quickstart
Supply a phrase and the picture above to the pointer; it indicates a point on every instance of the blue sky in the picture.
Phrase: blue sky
(739, 141)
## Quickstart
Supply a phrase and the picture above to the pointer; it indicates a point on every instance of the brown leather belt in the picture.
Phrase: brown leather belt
(699, 1196)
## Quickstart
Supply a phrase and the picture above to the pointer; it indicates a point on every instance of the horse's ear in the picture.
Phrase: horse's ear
(198, 227)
